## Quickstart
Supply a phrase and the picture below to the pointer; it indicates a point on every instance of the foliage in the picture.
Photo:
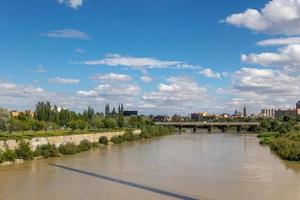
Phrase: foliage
(24, 151)
(8, 155)
(85, 145)
(103, 140)
(68, 149)
(47, 150)
(4, 119)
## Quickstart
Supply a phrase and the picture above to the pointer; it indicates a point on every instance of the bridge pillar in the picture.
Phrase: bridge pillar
(210, 129)
(239, 129)
(179, 127)
(194, 129)
(223, 128)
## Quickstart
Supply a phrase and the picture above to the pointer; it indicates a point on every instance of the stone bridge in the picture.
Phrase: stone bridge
(249, 126)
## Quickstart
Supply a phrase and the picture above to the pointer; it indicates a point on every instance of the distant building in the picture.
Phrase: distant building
(281, 113)
(30, 113)
(177, 118)
(298, 109)
(130, 113)
(245, 111)
(268, 112)
(199, 116)
(161, 118)
(15, 113)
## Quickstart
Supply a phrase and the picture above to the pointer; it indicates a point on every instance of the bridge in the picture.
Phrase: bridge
(249, 126)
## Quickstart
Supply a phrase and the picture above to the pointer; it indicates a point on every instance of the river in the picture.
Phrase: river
(187, 166)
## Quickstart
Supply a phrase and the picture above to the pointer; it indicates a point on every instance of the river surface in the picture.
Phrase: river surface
(187, 166)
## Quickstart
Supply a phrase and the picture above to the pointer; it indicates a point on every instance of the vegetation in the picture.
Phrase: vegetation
(8, 155)
(69, 148)
(46, 151)
(147, 132)
(283, 137)
(103, 140)
(49, 120)
(24, 151)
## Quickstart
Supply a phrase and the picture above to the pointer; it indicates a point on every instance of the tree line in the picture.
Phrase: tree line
(48, 117)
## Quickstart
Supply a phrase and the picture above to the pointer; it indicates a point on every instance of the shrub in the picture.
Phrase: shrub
(68, 149)
(8, 155)
(117, 139)
(103, 140)
(47, 150)
(24, 151)
(85, 145)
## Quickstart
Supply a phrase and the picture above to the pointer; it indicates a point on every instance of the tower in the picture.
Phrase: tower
(244, 111)
(298, 108)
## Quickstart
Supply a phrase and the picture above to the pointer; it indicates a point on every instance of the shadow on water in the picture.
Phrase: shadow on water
(127, 183)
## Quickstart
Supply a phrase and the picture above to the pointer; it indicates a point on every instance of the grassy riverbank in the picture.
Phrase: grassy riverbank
(24, 152)
(19, 135)
(286, 145)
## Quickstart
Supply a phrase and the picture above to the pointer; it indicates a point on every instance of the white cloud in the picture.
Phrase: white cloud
(60, 80)
(279, 41)
(179, 94)
(277, 17)
(138, 62)
(71, 3)
(264, 88)
(146, 79)
(287, 58)
(67, 33)
(210, 73)
(78, 50)
(112, 77)
(110, 90)
(40, 69)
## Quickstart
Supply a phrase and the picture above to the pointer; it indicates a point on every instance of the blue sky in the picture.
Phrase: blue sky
(169, 56)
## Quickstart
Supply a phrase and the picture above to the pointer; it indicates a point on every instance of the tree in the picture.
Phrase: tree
(107, 110)
(4, 119)
(43, 111)
(120, 120)
(88, 114)
(109, 123)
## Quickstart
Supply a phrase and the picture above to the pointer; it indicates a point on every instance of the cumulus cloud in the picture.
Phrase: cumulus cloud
(40, 69)
(210, 73)
(67, 33)
(287, 58)
(264, 88)
(71, 3)
(141, 63)
(146, 79)
(179, 94)
(265, 82)
(279, 41)
(112, 77)
(59, 80)
(110, 90)
(277, 17)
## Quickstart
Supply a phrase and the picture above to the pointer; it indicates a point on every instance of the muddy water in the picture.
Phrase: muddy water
(188, 166)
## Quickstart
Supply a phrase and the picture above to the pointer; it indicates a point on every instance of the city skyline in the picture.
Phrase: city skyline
(168, 57)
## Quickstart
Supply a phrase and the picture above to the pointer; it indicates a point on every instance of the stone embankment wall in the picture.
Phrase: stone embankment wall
(59, 140)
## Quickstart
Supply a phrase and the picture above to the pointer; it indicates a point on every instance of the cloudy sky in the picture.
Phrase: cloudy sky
(158, 56)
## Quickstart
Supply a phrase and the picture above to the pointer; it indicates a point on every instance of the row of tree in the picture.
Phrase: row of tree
(49, 117)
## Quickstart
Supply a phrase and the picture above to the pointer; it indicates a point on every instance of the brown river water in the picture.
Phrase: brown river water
(187, 166)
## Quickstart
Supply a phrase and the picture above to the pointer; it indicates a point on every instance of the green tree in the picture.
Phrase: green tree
(43, 111)
(4, 119)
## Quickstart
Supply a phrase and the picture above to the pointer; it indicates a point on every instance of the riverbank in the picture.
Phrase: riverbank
(287, 146)
(25, 151)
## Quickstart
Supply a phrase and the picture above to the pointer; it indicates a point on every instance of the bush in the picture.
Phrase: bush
(286, 149)
(68, 149)
(103, 140)
(24, 151)
(8, 155)
(85, 145)
(47, 150)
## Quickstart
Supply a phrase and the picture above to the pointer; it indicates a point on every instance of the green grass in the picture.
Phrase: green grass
(32, 134)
